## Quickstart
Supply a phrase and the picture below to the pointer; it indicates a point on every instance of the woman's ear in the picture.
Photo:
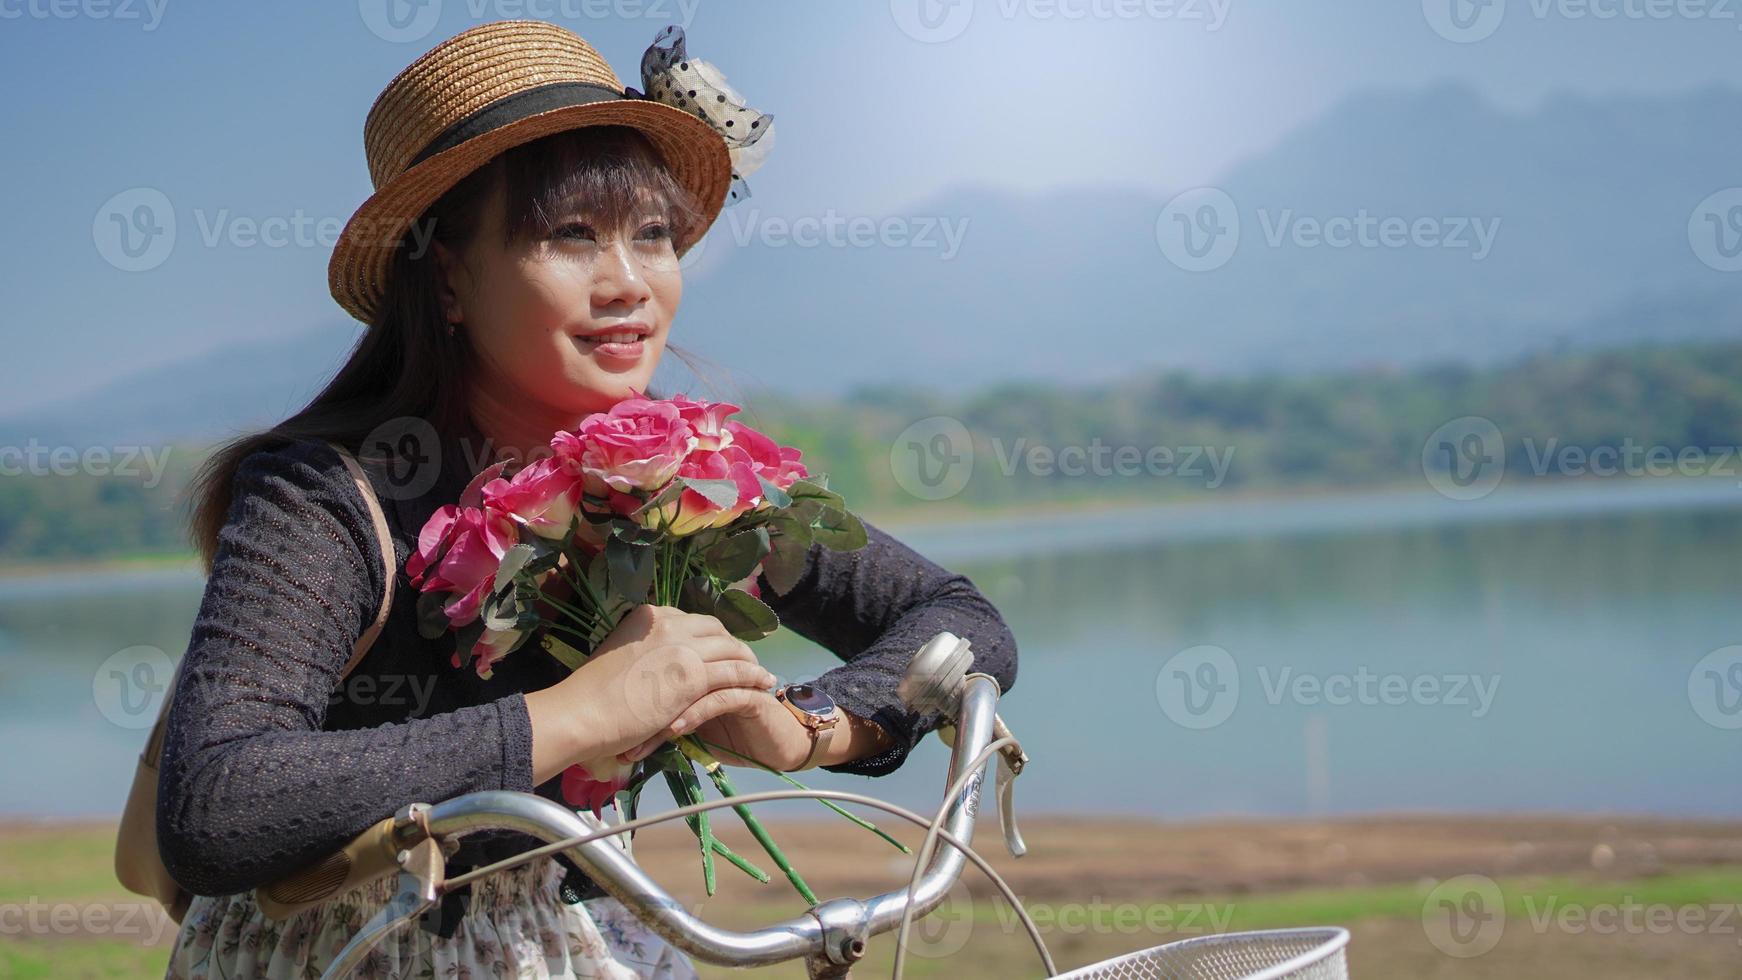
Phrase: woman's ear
(448, 267)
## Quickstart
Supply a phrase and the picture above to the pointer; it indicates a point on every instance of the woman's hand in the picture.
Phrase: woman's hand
(765, 732)
(762, 731)
(662, 670)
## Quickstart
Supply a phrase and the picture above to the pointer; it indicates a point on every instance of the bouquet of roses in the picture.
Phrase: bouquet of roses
(663, 501)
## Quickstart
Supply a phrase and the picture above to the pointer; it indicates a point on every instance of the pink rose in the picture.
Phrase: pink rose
(492, 646)
(594, 783)
(777, 464)
(707, 420)
(544, 496)
(691, 511)
(470, 543)
(638, 445)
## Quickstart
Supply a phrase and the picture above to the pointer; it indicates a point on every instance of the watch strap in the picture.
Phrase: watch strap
(822, 736)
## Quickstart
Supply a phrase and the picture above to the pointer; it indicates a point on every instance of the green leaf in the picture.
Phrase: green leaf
(631, 569)
(696, 595)
(745, 616)
(775, 496)
(513, 560)
(466, 638)
(432, 622)
(814, 488)
(501, 612)
(545, 552)
(525, 634)
(720, 493)
(735, 557)
(598, 574)
(624, 529)
(786, 559)
(837, 529)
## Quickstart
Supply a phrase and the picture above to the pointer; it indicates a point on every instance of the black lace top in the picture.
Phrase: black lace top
(270, 762)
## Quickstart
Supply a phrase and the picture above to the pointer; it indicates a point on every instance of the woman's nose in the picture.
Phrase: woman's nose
(618, 276)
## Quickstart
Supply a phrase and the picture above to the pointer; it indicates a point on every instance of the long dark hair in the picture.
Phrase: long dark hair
(406, 365)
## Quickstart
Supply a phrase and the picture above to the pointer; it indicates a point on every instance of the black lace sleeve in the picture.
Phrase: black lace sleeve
(874, 608)
(250, 787)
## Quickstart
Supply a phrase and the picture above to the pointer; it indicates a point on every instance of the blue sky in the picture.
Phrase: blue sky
(239, 113)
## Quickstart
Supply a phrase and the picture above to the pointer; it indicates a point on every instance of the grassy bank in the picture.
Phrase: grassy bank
(1102, 889)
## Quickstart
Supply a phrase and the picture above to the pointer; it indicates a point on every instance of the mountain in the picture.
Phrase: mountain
(1588, 204)
(212, 395)
(1564, 227)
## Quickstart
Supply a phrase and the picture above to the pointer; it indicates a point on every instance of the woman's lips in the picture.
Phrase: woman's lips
(617, 349)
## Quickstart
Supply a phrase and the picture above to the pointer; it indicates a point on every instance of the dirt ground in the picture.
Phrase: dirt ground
(1163, 861)
(1369, 874)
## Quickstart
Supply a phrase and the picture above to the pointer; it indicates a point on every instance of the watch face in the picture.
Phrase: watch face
(807, 698)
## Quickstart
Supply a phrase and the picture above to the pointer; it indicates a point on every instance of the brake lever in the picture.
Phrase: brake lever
(422, 872)
(1011, 761)
(1007, 774)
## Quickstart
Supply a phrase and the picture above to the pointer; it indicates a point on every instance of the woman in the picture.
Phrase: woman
(537, 285)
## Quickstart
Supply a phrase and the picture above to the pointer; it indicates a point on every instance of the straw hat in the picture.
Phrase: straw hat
(505, 83)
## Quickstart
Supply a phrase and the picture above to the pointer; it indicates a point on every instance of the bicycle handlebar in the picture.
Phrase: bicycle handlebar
(833, 931)
(801, 936)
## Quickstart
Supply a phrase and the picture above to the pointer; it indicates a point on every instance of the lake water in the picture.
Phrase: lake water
(1542, 649)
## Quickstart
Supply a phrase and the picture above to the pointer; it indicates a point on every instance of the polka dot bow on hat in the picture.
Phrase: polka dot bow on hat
(671, 76)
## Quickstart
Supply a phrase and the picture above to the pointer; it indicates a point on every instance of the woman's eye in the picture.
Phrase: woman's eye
(656, 232)
(574, 229)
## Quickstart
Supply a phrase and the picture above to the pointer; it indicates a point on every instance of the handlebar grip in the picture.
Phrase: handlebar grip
(372, 854)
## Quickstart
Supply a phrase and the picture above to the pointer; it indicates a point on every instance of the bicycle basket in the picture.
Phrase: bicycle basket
(1272, 954)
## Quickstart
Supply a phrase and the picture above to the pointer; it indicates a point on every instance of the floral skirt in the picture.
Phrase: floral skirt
(516, 925)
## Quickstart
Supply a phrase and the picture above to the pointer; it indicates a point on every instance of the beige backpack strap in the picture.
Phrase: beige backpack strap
(388, 558)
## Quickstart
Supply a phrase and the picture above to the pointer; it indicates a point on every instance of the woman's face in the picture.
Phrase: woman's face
(566, 324)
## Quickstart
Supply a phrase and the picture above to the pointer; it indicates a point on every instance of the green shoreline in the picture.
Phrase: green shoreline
(926, 515)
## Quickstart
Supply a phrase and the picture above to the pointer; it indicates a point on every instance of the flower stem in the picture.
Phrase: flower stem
(831, 804)
(690, 746)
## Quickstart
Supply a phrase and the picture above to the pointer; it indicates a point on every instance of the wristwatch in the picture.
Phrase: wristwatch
(817, 712)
